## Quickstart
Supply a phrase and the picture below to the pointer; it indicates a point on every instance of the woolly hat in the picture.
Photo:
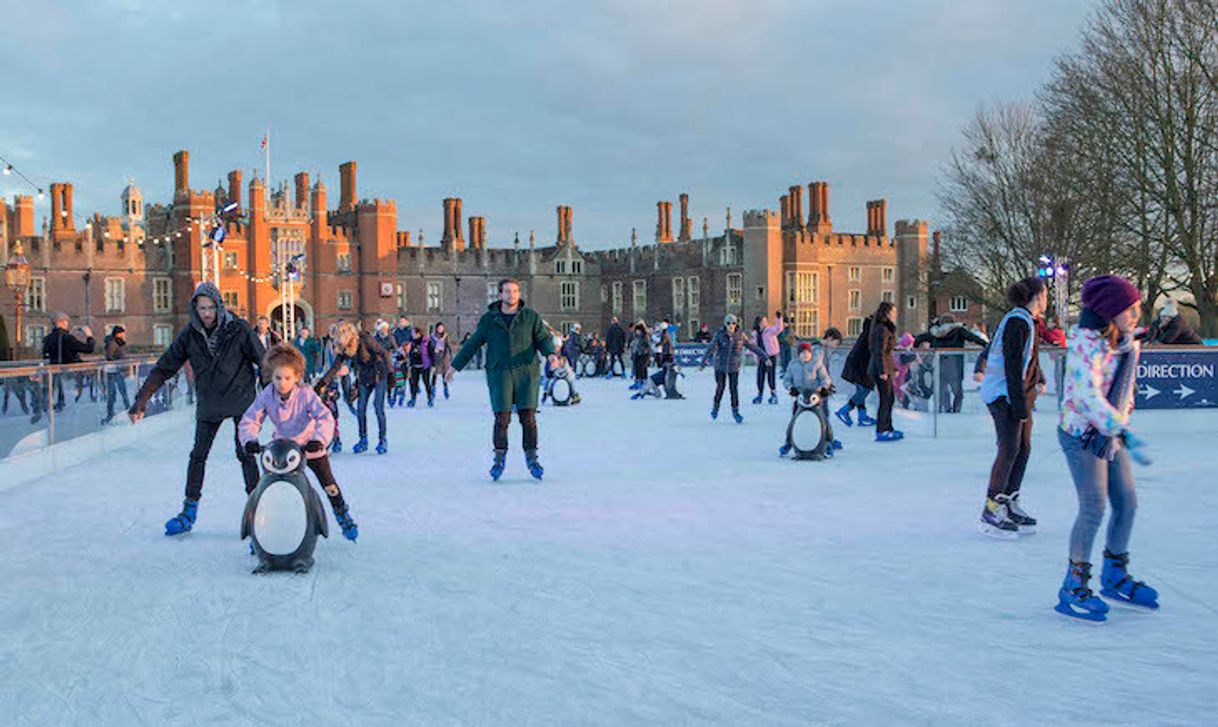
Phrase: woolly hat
(1109, 295)
(805, 346)
(729, 319)
(1169, 309)
(906, 341)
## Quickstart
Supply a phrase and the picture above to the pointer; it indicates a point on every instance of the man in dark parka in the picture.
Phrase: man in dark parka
(513, 335)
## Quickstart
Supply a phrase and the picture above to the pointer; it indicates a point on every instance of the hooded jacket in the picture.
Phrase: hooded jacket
(224, 359)
(726, 351)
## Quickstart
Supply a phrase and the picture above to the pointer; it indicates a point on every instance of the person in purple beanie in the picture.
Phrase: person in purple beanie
(1101, 372)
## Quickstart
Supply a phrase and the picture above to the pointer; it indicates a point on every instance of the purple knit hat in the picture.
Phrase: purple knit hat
(1109, 295)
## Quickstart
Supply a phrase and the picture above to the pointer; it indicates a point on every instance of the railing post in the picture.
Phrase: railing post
(50, 408)
(934, 385)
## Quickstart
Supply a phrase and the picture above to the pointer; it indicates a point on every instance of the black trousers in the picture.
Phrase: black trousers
(1014, 446)
(951, 382)
(528, 426)
(325, 477)
(620, 362)
(415, 375)
(205, 435)
(766, 368)
(640, 368)
(733, 384)
(883, 419)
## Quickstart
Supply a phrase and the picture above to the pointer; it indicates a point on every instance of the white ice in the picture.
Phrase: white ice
(670, 570)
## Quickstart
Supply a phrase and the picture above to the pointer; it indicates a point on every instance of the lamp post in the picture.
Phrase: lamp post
(17, 279)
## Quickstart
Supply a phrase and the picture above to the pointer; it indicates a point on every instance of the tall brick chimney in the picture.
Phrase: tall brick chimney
(881, 217)
(784, 206)
(302, 190)
(347, 196)
(61, 208)
(664, 222)
(453, 236)
(181, 172)
(684, 234)
(320, 216)
(796, 195)
(22, 223)
(561, 223)
(234, 187)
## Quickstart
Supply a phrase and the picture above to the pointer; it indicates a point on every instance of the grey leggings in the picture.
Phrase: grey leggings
(1093, 479)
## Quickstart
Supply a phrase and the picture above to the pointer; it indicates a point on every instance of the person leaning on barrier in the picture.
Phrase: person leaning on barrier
(61, 347)
(1170, 328)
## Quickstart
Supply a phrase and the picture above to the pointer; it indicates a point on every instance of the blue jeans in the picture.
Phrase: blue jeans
(858, 399)
(366, 391)
(1096, 479)
(116, 383)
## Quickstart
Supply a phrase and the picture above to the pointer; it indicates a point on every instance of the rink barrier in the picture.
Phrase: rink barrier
(31, 450)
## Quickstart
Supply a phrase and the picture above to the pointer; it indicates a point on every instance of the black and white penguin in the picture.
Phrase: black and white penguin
(808, 432)
(561, 392)
(283, 515)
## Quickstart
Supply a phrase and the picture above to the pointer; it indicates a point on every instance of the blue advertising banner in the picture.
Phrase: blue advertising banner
(1177, 379)
(161, 401)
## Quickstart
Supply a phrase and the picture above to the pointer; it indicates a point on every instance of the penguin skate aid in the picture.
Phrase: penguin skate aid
(302, 422)
(810, 434)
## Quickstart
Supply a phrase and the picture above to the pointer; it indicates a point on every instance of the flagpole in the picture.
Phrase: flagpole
(268, 158)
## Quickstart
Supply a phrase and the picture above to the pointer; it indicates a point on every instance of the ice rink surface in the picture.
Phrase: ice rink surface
(670, 570)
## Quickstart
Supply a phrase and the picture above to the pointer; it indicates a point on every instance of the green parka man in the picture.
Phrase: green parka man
(513, 335)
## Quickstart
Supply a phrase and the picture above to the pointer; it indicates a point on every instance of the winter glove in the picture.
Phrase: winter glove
(793, 391)
(253, 447)
(1136, 446)
(314, 446)
(831, 390)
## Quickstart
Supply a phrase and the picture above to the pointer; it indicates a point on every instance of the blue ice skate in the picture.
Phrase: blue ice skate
(347, 523)
(382, 446)
(864, 420)
(844, 414)
(1117, 585)
(836, 444)
(782, 451)
(773, 398)
(757, 399)
(736, 415)
(499, 464)
(361, 446)
(336, 446)
(715, 413)
(535, 469)
(185, 520)
(1075, 599)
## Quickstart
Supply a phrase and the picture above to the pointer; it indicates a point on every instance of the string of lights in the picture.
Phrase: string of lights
(8, 169)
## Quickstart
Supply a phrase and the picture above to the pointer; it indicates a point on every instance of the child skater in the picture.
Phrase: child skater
(297, 414)
(1101, 372)
(330, 394)
(809, 373)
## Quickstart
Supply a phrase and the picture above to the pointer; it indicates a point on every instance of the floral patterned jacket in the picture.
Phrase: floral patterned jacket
(1091, 366)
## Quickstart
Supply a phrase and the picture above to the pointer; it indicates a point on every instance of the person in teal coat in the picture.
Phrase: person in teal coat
(513, 335)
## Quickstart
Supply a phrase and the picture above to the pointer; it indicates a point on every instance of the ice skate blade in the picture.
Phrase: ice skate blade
(996, 533)
(1027, 529)
(1092, 616)
(1116, 597)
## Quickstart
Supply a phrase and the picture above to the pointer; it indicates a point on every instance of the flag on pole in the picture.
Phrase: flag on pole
(264, 140)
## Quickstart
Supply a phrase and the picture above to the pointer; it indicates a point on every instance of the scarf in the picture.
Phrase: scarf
(1120, 395)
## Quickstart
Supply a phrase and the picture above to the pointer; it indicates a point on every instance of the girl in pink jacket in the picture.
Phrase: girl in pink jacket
(297, 413)
(766, 338)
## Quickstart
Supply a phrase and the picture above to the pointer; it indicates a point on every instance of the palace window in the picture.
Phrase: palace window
(678, 296)
(116, 295)
(161, 335)
(805, 327)
(401, 290)
(492, 293)
(36, 295)
(569, 295)
(911, 302)
(230, 261)
(232, 301)
(854, 327)
(34, 336)
(162, 290)
(344, 262)
(640, 297)
(856, 299)
(888, 275)
(345, 300)
(604, 294)
(434, 290)
(560, 266)
(958, 304)
(806, 285)
(888, 296)
(855, 274)
(735, 288)
(617, 296)
(693, 293)
(577, 267)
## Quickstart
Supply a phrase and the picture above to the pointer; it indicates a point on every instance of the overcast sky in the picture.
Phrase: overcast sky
(519, 106)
